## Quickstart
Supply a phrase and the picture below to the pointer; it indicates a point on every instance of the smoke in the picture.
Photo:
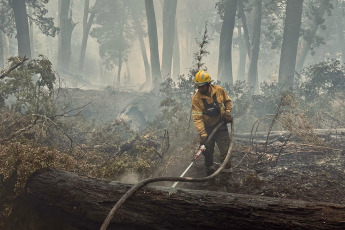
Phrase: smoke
(129, 177)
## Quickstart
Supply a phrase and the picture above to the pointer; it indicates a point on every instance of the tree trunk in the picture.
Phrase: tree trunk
(243, 56)
(118, 81)
(253, 80)
(3, 49)
(153, 39)
(169, 15)
(245, 27)
(128, 71)
(225, 43)
(340, 29)
(87, 23)
(31, 32)
(290, 42)
(305, 44)
(140, 34)
(2, 56)
(22, 26)
(176, 55)
(66, 28)
(84, 203)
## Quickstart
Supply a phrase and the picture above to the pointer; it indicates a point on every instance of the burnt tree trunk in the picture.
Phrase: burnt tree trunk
(22, 26)
(169, 15)
(288, 53)
(84, 203)
(225, 42)
(66, 28)
(153, 41)
(254, 53)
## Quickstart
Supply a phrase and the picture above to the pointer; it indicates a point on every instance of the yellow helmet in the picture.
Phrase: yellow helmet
(202, 78)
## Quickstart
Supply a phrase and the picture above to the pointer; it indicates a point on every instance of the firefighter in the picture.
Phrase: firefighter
(210, 105)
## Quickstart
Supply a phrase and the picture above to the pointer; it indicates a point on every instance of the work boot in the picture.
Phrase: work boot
(210, 170)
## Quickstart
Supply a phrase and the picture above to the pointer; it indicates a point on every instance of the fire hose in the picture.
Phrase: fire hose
(177, 179)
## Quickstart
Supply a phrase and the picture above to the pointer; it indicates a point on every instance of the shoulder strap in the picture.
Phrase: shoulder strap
(204, 102)
(215, 99)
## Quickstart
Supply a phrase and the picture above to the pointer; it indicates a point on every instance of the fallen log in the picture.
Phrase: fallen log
(85, 202)
(281, 136)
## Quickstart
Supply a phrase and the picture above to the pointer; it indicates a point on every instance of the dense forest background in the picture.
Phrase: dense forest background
(110, 42)
(103, 88)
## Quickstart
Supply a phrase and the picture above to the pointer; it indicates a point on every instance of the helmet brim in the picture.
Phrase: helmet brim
(197, 84)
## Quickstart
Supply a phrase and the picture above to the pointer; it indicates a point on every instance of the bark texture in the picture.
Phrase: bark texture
(66, 28)
(3, 49)
(243, 57)
(140, 33)
(242, 15)
(225, 43)
(169, 15)
(153, 40)
(288, 53)
(22, 26)
(84, 203)
(340, 29)
(253, 62)
(87, 23)
(176, 55)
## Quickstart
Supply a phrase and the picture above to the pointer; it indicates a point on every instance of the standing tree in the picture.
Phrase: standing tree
(4, 52)
(244, 25)
(227, 9)
(137, 15)
(87, 23)
(114, 34)
(253, 62)
(310, 34)
(176, 55)
(169, 15)
(14, 21)
(290, 42)
(340, 28)
(153, 38)
(242, 54)
(22, 26)
(67, 25)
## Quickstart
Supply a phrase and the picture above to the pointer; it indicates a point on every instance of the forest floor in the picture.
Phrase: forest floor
(301, 172)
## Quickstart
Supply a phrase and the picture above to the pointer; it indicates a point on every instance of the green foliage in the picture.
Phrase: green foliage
(114, 38)
(322, 92)
(46, 24)
(31, 86)
(240, 96)
(326, 79)
(7, 24)
(108, 138)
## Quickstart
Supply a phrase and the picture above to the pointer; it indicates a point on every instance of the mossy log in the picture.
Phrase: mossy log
(85, 202)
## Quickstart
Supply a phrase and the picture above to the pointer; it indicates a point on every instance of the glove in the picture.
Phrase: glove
(203, 140)
(228, 117)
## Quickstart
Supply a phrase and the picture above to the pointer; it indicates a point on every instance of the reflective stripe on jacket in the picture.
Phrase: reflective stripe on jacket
(198, 109)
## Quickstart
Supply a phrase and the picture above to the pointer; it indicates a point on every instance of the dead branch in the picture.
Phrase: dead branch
(7, 72)
(59, 128)
(281, 148)
(20, 131)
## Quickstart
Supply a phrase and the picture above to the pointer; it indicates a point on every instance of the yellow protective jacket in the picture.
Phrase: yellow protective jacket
(198, 109)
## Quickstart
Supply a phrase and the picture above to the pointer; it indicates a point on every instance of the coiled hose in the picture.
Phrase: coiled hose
(181, 179)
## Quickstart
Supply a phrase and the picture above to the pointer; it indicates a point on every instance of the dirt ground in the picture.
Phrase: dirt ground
(301, 172)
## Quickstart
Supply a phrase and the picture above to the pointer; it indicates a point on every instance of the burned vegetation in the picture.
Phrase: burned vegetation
(287, 145)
